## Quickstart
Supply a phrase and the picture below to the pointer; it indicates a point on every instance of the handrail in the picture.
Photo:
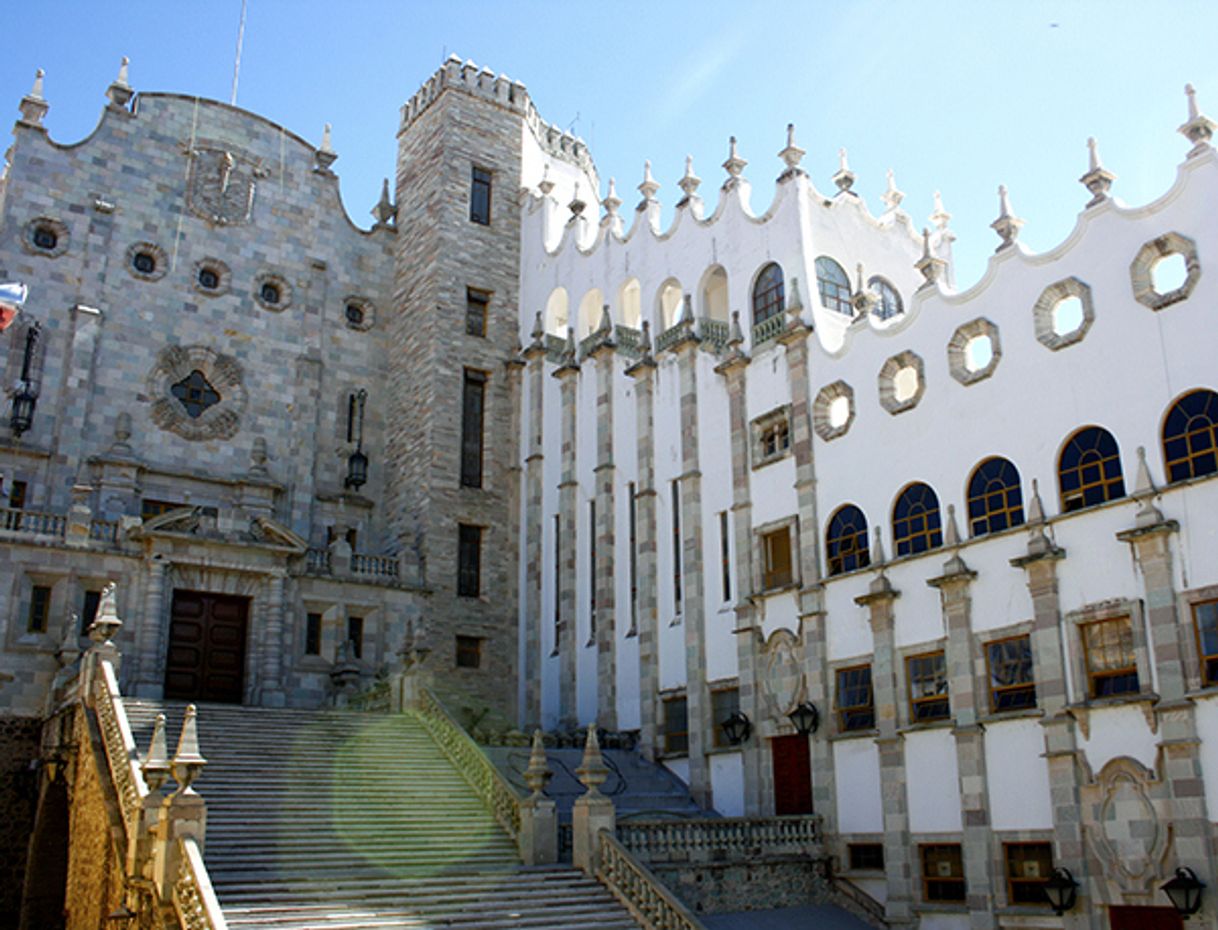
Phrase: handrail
(635, 886)
(194, 899)
(470, 761)
(121, 754)
(860, 899)
(739, 839)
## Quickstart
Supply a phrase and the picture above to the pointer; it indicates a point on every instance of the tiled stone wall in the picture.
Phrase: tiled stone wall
(18, 796)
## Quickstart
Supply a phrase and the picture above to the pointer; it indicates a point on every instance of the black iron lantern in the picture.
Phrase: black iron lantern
(357, 470)
(806, 718)
(22, 417)
(357, 462)
(1184, 890)
(1062, 890)
(737, 728)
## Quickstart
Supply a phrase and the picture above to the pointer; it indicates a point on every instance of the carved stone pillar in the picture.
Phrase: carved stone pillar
(568, 487)
(512, 475)
(151, 635)
(535, 355)
(271, 642)
(603, 533)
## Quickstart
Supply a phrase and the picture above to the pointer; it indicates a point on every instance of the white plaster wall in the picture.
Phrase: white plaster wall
(715, 463)
(1119, 731)
(918, 615)
(625, 458)
(1207, 730)
(679, 767)
(727, 783)
(1000, 593)
(781, 612)
(932, 782)
(1017, 776)
(1195, 548)
(929, 921)
(1097, 566)
(847, 625)
(856, 764)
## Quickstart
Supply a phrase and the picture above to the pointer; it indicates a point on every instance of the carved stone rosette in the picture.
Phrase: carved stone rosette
(220, 420)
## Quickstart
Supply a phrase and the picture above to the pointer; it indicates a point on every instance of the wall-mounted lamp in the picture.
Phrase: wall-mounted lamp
(1184, 890)
(1062, 890)
(806, 718)
(737, 728)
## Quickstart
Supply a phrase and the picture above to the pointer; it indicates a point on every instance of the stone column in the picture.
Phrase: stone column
(304, 462)
(1062, 753)
(697, 698)
(643, 372)
(271, 642)
(604, 534)
(535, 355)
(956, 604)
(149, 673)
(568, 487)
(513, 473)
(898, 849)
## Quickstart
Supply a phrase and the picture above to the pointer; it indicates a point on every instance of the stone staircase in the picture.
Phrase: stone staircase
(331, 820)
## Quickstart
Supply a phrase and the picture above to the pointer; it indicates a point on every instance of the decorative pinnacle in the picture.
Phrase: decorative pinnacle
(120, 92)
(36, 91)
(605, 327)
(106, 624)
(844, 177)
(568, 352)
(577, 204)
(878, 557)
(939, 216)
(952, 536)
(1144, 490)
(689, 183)
(1036, 507)
(645, 344)
(735, 337)
(792, 155)
(384, 212)
(734, 164)
(155, 765)
(649, 186)
(187, 761)
(1200, 128)
(1098, 179)
(538, 772)
(539, 331)
(325, 156)
(612, 201)
(545, 185)
(33, 107)
(794, 302)
(1007, 225)
(592, 771)
(892, 197)
(929, 264)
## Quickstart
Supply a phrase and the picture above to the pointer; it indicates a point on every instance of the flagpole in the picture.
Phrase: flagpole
(237, 61)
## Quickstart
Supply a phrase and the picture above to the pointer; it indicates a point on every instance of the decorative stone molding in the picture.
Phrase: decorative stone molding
(957, 351)
(261, 284)
(359, 313)
(176, 364)
(160, 261)
(224, 277)
(1128, 828)
(888, 387)
(1046, 305)
(1142, 268)
(782, 680)
(55, 227)
(822, 408)
(771, 436)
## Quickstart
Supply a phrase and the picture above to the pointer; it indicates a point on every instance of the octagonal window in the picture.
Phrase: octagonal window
(1063, 313)
(902, 382)
(1165, 271)
(973, 351)
(1067, 316)
(833, 410)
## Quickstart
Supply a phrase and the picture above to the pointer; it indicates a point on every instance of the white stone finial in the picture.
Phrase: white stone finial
(612, 201)
(1007, 225)
(605, 327)
(939, 216)
(545, 185)
(1144, 491)
(325, 155)
(877, 549)
(1144, 485)
(325, 138)
(689, 182)
(843, 177)
(36, 90)
(1200, 128)
(1036, 507)
(122, 70)
(577, 204)
(929, 264)
(1098, 179)
(735, 165)
(1191, 93)
(864, 299)
(892, 197)
(32, 106)
(649, 186)
(187, 761)
(952, 535)
(592, 771)
(792, 155)
(155, 766)
(120, 92)
(384, 212)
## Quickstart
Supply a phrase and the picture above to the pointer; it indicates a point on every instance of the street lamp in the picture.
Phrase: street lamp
(805, 717)
(22, 417)
(737, 728)
(357, 462)
(1184, 890)
(1062, 890)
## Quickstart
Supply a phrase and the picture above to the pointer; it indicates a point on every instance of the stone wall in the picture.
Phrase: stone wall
(712, 888)
(18, 797)
(95, 864)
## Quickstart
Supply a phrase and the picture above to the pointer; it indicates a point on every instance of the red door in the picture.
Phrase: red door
(792, 775)
(206, 658)
(1144, 918)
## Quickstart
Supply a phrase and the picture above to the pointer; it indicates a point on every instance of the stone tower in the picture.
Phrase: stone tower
(467, 140)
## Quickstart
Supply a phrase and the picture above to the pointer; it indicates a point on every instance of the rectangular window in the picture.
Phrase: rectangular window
(1029, 865)
(855, 699)
(40, 608)
(592, 564)
(476, 304)
(927, 676)
(866, 857)
(312, 643)
(469, 560)
(557, 578)
(725, 556)
(676, 545)
(942, 872)
(88, 610)
(150, 508)
(473, 397)
(1010, 669)
(480, 196)
(1206, 616)
(724, 703)
(16, 495)
(469, 652)
(355, 636)
(676, 725)
(776, 559)
(634, 558)
(1112, 667)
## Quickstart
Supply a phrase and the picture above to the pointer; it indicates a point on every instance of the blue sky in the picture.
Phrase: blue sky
(957, 96)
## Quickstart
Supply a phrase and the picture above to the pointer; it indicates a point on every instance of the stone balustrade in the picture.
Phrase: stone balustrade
(727, 839)
(33, 522)
(634, 885)
(380, 566)
(194, 900)
(122, 757)
(768, 329)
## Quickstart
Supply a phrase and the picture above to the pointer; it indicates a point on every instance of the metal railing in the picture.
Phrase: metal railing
(726, 839)
(639, 890)
(194, 899)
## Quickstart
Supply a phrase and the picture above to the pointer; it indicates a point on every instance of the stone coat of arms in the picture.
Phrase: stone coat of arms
(220, 184)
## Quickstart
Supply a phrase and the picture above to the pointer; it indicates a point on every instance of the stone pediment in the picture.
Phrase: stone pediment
(198, 523)
(279, 535)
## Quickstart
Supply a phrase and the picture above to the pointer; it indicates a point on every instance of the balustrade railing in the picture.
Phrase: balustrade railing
(555, 347)
(34, 522)
(470, 761)
(635, 886)
(727, 839)
(122, 757)
(382, 566)
(627, 339)
(714, 333)
(317, 561)
(674, 334)
(194, 899)
(105, 531)
(376, 699)
(768, 329)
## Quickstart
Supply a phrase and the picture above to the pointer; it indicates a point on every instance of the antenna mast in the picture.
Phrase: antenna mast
(237, 61)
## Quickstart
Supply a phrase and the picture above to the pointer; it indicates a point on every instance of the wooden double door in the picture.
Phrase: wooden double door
(1144, 918)
(206, 656)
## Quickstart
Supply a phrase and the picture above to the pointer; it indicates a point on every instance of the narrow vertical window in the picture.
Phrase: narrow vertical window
(557, 578)
(16, 496)
(312, 644)
(634, 559)
(592, 563)
(472, 407)
(676, 544)
(40, 608)
(476, 303)
(469, 652)
(480, 196)
(469, 560)
(725, 556)
(355, 636)
(88, 610)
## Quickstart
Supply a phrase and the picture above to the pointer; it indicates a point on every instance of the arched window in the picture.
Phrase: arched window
(590, 312)
(557, 312)
(1089, 470)
(915, 520)
(846, 540)
(1190, 436)
(890, 300)
(834, 286)
(630, 303)
(714, 294)
(768, 299)
(995, 501)
(668, 303)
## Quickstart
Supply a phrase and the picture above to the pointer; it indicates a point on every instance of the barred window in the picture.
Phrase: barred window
(1009, 662)
(469, 560)
(1190, 436)
(915, 520)
(768, 296)
(1089, 470)
(846, 544)
(927, 674)
(1029, 866)
(995, 500)
(942, 872)
(834, 286)
(866, 857)
(473, 404)
(676, 725)
(1112, 666)
(855, 699)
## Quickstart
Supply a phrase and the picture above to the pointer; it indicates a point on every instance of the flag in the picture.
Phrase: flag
(12, 297)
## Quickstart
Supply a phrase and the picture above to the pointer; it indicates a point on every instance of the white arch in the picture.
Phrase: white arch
(630, 304)
(557, 312)
(590, 312)
(714, 294)
(668, 304)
